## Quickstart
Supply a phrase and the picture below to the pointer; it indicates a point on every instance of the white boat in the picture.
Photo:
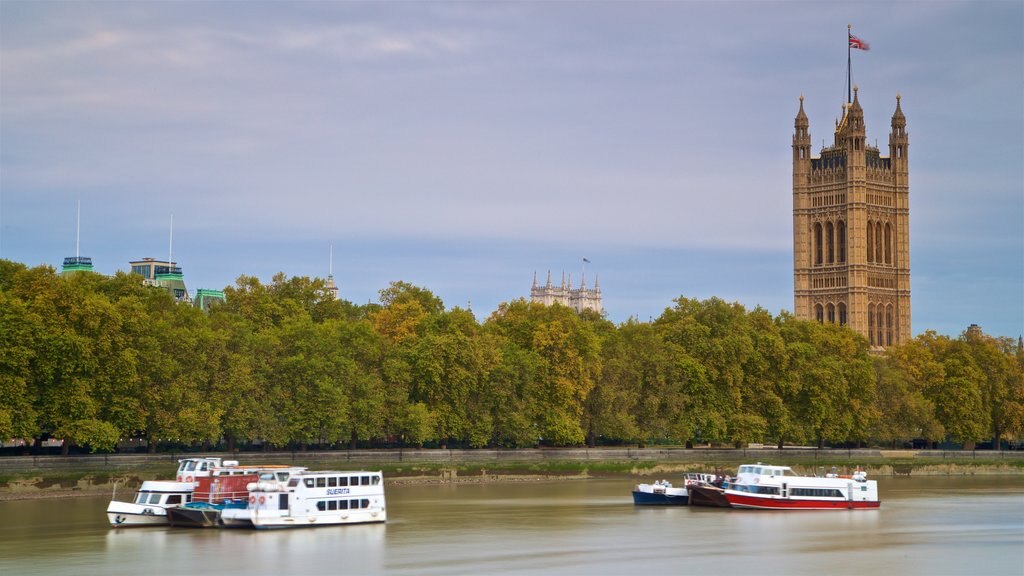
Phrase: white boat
(323, 498)
(764, 486)
(150, 505)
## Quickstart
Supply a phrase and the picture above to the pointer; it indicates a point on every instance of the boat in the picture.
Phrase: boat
(154, 497)
(708, 495)
(149, 508)
(662, 493)
(224, 487)
(321, 498)
(768, 487)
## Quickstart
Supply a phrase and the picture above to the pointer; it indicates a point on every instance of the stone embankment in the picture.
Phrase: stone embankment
(58, 476)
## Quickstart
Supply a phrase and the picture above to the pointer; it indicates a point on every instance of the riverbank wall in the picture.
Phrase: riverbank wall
(43, 476)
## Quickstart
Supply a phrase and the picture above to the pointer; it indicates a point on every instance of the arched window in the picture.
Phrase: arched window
(842, 314)
(830, 242)
(888, 325)
(871, 241)
(871, 322)
(888, 243)
(878, 242)
(878, 324)
(831, 313)
(817, 244)
(841, 237)
(819, 313)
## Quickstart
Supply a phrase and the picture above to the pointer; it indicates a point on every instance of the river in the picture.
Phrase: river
(927, 525)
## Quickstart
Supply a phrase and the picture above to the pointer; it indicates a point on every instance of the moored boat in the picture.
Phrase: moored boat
(708, 495)
(763, 486)
(663, 493)
(149, 508)
(321, 498)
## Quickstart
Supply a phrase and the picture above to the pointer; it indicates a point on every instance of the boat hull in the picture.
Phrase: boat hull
(183, 517)
(708, 496)
(641, 498)
(761, 503)
(127, 514)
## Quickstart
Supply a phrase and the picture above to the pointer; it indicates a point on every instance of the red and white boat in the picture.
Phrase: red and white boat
(764, 486)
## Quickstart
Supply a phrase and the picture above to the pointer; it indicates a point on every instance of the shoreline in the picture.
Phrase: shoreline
(36, 486)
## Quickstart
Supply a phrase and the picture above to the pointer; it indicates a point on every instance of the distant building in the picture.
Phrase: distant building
(205, 297)
(162, 274)
(578, 299)
(74, 264)
(851, 229)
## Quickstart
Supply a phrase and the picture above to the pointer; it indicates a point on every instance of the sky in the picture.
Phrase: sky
(465, 146)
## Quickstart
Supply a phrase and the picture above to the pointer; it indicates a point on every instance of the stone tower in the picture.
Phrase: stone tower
(579, 299)
(851, 228)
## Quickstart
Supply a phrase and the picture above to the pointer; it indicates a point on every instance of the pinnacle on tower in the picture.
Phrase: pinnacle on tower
(535, 279)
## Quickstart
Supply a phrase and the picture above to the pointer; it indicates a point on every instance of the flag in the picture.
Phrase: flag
(858, 43)
(587, 261)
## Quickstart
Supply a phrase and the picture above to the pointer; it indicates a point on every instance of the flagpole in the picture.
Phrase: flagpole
(849, 75)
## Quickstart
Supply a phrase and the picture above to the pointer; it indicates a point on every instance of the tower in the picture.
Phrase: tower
(851, 228)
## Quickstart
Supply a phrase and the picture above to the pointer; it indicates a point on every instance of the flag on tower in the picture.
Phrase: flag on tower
(858, 43)
(587, 261)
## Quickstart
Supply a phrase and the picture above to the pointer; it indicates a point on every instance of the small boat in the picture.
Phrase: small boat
(764, 486)
(323, 498)
(149, 508)
(662, 493)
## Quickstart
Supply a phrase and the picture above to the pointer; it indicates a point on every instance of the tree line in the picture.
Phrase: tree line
(92, 359)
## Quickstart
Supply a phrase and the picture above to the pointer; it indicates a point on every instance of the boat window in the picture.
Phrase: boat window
(332, 505)
(282, 502)
(293, 482)
(321, 482)
(174, 499)
(202, 467)
(309, 482)
(282, 476)
(364, 503)
(332, 481)
(376, 480)
(342, 504)
(366, 480)
(343, 481)
(267, 476)
(321, 505)
(154, 498)
(141, 498)
(190, 465)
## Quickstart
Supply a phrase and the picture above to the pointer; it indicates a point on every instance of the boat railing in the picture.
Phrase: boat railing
(219, 496)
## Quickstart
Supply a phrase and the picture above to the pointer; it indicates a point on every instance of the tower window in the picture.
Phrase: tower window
(871, 241)
(888, 325)
(878, 242)
(888, 243)
(819, 313)
(842, 314)
(871, 323)
(817, 244)
(830, 242)
(841, 238)
(831, 314)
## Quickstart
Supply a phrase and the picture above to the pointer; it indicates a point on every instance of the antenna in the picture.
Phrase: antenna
(170, 245)
(330, 267)
(78, 226)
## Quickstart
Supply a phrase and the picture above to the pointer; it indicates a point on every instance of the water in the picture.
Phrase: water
(935, 526)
